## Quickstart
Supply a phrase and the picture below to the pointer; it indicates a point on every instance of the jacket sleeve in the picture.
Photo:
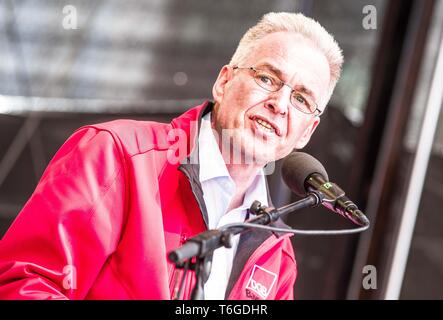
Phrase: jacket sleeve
(61, 239)
(286, 289)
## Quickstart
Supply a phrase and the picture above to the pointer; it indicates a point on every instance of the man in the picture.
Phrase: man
(118, 196)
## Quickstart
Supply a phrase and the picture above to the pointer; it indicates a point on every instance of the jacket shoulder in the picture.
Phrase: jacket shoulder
(136, 136)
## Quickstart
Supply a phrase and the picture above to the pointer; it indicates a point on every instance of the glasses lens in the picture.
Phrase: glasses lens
(303, 103)
(267, 81)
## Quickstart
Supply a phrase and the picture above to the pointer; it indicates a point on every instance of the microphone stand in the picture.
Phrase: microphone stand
(202, 245)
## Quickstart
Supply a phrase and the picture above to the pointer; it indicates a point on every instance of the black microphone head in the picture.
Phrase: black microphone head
(297, 167)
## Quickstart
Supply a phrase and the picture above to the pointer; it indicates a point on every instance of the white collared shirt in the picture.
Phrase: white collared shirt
(218, 190)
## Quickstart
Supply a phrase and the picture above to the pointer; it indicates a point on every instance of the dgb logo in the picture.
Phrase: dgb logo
(261, 281)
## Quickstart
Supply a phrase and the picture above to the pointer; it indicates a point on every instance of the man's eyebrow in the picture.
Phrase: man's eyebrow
(281, 74)
(272, 68)
(303, 89)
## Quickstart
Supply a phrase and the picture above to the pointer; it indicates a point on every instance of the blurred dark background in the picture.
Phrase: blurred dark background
(154, 59)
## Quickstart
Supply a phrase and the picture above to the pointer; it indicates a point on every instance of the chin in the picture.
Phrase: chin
(252, 150)
(259, 156)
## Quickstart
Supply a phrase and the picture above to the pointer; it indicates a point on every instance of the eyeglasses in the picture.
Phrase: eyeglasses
(272, 83)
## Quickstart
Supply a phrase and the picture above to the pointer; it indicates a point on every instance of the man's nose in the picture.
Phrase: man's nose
(279, 101)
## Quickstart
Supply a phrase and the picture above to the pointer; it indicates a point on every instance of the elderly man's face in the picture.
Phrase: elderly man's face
(243, 105)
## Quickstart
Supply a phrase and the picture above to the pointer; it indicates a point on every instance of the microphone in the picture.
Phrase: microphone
(303, 173)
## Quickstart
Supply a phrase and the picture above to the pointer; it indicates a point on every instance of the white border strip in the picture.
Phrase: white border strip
(415, 188)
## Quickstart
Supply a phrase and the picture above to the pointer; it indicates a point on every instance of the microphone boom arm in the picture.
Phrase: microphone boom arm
(206, 242)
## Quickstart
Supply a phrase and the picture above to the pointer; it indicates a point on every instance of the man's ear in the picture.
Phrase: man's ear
(304, 139)
(218, 90)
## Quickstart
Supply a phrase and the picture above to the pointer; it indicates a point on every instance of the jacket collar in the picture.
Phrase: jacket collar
(190, 122)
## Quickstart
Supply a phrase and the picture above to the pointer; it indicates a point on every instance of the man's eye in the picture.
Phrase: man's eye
(266, 79)
(299, 98)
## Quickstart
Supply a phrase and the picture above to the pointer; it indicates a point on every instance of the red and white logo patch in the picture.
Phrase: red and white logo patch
(261, 281)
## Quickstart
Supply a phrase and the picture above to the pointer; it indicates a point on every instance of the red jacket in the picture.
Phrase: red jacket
(109, 208)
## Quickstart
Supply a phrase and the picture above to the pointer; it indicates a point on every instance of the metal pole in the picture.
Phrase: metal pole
(415, 188)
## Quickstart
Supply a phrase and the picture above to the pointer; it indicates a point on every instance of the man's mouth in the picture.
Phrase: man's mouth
(266, 125)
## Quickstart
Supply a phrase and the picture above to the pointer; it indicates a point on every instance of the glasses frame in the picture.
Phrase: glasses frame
(316, 112)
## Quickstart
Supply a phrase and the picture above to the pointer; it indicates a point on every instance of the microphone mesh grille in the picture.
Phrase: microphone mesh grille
(297, 167)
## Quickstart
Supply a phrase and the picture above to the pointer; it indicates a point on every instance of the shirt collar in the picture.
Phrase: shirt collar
(212, 166)
(257, 191)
